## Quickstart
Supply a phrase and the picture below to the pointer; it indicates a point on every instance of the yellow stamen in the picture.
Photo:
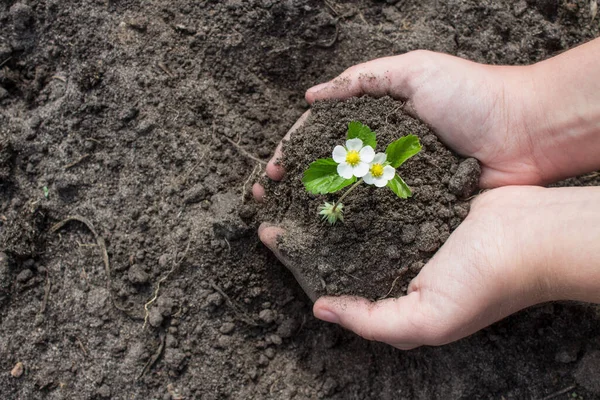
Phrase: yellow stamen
(353, 158)
(376, 170)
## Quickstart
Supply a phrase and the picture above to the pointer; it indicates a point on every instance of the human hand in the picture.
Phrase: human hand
(519, 246)
(521, 129)
(475, 109)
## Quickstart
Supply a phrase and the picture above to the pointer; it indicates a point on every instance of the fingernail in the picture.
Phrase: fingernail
(327, 315)
(318, 87)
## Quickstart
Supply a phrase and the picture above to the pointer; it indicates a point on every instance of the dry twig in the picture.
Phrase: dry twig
(154, 358)
(5, 61)
(47, 288)
(74, 163)
(560, 392)
(238, 311)
(392, 288)
(245, 152)
(81, 346)
(102, 245)
(176, 264)
(250, 177)
(165, 69)
(333, 40)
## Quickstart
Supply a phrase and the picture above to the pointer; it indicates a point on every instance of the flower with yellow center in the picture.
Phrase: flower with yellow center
(379, 173)
(354, 159)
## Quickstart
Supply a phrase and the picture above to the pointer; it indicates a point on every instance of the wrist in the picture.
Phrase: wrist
(549, 241)
(565, 243)
(561, 116)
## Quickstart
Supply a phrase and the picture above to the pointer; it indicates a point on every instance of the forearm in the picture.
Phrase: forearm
(565, 104)
(567, 235)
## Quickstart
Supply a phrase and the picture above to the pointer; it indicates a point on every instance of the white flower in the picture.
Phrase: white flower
(379, 174)
(353, 159)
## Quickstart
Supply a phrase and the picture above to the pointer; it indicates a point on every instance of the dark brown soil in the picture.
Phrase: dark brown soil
(384, 241)
(118, 111)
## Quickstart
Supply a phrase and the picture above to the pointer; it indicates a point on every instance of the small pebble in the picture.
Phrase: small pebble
(138, 23)
(24, 276)
(267, 316)
(428, 239)
(224, 342)
(195, 195)
(163, 260)
(288, 327)
(276, 339)
(227, 328)
(155, 318)
(104, 391)
(409, 233)
(171, 341)
(263, 361)
(214, 299)
(17, 370)
(466, 179)
(137, 275)
(270, 352)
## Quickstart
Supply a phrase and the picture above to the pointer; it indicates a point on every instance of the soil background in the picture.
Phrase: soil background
(119, 112)
(384, 241)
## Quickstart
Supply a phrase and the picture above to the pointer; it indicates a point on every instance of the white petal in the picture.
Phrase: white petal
(361, 169)
(345, 170)
(381, 182)
(354, 144)
(339, 154)
(369, 179)
(388, 172)
(366, 154)
(379, 158)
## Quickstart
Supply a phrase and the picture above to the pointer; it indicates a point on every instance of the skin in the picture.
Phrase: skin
(520, 245)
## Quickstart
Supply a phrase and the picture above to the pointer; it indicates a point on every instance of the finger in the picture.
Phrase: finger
(275, 170)
(393, 321)
(270, 236)
(258, 191)
(522, 175)
(384, 76)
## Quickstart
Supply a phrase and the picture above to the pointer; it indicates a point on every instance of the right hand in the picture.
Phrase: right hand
(475, 109)
(519, 246)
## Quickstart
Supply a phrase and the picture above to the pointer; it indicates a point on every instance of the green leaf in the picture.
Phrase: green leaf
(363, 132)
(399, 187)
(321, 177)
(402, 149)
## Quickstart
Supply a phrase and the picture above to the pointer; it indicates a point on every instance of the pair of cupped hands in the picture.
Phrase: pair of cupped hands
(501, 258)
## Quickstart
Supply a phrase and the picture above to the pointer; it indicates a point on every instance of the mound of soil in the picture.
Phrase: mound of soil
(384, 241)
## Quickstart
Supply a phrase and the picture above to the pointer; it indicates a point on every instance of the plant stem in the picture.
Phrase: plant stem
(346, 194)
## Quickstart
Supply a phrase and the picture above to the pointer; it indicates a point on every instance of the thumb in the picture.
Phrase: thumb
(389, 76)
(400, 322)
(270, 236)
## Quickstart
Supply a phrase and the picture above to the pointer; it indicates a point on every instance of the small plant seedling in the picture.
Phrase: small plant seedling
(357, 162)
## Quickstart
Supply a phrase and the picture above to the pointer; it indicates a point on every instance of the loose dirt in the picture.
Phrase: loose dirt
(118, 112)
(384, 241)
